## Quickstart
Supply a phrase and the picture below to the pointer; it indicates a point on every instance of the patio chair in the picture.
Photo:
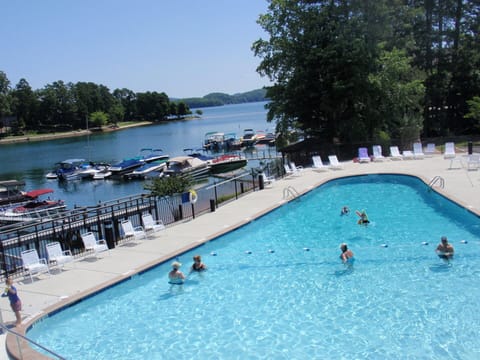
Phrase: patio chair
(363, 155)
(418, 151)
(430, 150)
(377, 153)
(334, 163)
(395, 153)
(473, 162)
(288, 171)
(33, 264)
(149, 224)
(296, 169)
(57, 256)
(408, 154)
(449, 150)
(267, 180)
(318, 164)
(91, 243)
(130, 232)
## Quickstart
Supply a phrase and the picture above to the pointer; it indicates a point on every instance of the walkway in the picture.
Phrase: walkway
(87, 275)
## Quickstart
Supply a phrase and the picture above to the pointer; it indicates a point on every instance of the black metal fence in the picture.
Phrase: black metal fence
(104, 218)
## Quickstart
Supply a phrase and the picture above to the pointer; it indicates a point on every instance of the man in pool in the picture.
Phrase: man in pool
(347, 254)
(176, 277)
(345, 211)
(445, 250)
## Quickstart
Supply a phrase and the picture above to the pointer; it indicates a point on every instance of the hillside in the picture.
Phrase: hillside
(218, 99)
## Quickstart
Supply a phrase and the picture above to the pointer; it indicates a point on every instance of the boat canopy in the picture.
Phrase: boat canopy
(36, 193)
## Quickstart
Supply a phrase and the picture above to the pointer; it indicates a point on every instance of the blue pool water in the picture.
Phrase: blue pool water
(276, 288)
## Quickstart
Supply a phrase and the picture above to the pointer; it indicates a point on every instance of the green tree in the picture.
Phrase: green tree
(474, 110)
(5, 99)
(98, 118)
(400, 93)
(25, 104)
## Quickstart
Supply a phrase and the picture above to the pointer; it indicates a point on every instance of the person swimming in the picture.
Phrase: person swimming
(176, 277)
(347, 255)
(198, 265)
(345, 211)
(363, 217)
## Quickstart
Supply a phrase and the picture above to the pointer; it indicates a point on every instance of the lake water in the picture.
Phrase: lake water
(31, 161)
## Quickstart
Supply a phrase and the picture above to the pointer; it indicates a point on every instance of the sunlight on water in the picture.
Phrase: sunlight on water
(276, 288)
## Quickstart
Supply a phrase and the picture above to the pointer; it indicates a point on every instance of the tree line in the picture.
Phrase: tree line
(352, 71)
(63, 106)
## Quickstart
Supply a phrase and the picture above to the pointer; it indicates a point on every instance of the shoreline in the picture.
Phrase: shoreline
(62, 135)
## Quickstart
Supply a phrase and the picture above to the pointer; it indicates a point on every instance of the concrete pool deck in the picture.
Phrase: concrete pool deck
(88, 275)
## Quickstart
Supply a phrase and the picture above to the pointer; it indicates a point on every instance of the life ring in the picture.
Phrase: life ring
(193, 197)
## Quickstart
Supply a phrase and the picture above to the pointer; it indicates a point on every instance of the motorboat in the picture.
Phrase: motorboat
(126, 165)
(188, 166)
(102, 174)
(226, 162)
(70, 169)
(33, 208)
(89, 171)
(232, 142)
(150, 155)
(223, 163)
(147, 168)
(249, 138)
(266, 138)
(11, 191)
(214, 141)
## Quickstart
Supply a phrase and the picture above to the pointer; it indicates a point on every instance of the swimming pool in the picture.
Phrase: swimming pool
(276, 288)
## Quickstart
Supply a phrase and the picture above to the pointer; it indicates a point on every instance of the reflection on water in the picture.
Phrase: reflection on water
(32, 161)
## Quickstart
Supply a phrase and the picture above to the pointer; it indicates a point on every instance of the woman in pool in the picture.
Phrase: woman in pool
(198, 265)
(15, 303)
(345, 211)
(363, 217)
(176, 277)
(347, 254)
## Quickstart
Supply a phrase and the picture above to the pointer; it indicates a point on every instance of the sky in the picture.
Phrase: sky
(185, 48)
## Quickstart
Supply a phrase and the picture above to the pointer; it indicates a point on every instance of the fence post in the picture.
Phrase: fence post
(212, 205)
(193, 210)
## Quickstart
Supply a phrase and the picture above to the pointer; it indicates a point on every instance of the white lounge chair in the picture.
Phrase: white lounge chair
(91, 243)
(130, 232)
(430, 149)
(296, 169)
(377, 153)
(267, 180)
(449, 150)
(149, 224)
(334, 163)
(473, 162)
(33, 264)
(418, 151)
(57, 256)
(363, 155)
(408, 154)
(318, 164)
(395, 153)
(288, 171)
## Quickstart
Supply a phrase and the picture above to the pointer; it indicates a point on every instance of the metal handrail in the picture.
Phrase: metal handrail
(437, 179)
(290, 190)
(20, 336)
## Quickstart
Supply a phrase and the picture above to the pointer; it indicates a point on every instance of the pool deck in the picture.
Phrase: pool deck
(87, 275)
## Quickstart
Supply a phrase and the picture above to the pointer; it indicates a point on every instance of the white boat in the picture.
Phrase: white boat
(88, 172)
(102, 175)
(150, 155)
(187, 165)
(148, 168)
(70, 169)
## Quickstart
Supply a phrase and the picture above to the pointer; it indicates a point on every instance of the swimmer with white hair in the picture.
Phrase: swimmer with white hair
(176, 277)
(347, 254)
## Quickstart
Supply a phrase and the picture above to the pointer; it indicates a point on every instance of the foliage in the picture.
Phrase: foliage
(99, 118)
(169, 185)
(218, 99)
(349, 70)
(474, 109)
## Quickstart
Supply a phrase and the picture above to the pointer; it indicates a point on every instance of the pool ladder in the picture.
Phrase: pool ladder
(290, 191)
(437, 180)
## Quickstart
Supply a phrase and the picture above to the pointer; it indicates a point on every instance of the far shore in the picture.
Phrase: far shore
(68, 134)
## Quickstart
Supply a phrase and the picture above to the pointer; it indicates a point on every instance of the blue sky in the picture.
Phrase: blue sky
(185, 48)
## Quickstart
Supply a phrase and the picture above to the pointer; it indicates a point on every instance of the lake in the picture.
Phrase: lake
(30, 162)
